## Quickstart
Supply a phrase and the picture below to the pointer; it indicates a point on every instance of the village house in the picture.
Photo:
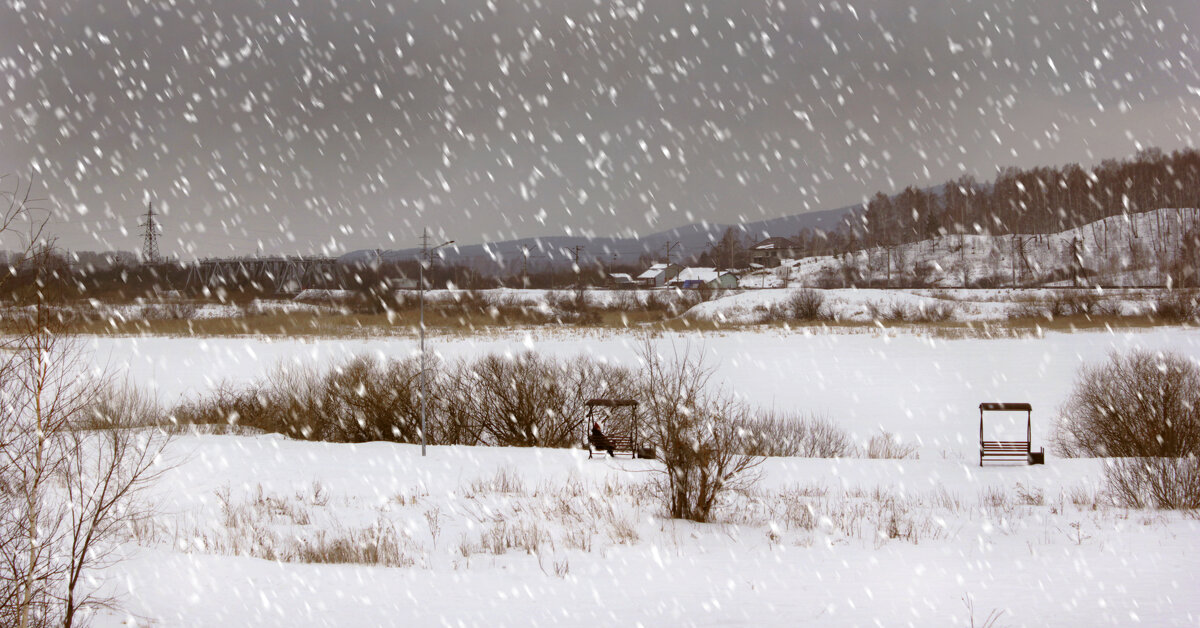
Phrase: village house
(658, 275)
(772, 251)
(621, 280)
(704, 279)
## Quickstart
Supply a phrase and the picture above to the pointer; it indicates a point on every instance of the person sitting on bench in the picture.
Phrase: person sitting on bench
(599, 441)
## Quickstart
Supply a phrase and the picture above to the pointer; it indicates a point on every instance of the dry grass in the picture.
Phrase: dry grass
(469, 318)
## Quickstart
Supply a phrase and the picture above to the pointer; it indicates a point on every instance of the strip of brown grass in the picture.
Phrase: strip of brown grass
(452, 321)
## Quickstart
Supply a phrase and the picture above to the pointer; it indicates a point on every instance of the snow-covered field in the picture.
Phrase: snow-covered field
(923, 388)
(499, 536)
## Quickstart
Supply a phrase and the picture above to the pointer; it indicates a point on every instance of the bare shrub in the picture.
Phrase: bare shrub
(1168, 483)
(227, 405)
(805, 304)
(795, 436)
(886, 445)
(1060, 303)
(532, 401)
(174, 310)
(893, 312)
(1085, 302)
(673, 301)
(933, 312)
(574, 307)
(456, 422)
(1030, 310)
(363, 400)
(696, 432)
(1177, 306)
(1139, 404)
(523, 401)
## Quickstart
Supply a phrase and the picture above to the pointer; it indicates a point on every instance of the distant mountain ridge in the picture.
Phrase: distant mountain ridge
(692, 239)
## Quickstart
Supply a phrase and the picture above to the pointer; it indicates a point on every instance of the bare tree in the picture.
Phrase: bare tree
(23, 222)
(111, 460)
(697, 434)
(62, 500)
(43, 392)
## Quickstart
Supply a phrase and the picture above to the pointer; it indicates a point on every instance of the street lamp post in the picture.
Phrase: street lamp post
(426, 257)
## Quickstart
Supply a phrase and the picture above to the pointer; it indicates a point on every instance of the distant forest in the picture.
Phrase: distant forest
(1025, 201)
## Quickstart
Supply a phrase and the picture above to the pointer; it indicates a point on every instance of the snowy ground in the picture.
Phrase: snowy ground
(1127, 250)
(540, 537)
(582, 542)
(924, 388)
(849, 304)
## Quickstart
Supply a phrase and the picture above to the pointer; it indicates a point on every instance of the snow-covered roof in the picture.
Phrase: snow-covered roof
(653, 271)
(621, 277)
(774, 243)
(698, 274)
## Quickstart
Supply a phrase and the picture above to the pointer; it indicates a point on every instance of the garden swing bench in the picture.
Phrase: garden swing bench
(1009, 450)
(616, 441)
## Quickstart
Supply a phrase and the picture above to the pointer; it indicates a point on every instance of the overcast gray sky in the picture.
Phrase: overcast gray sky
(332, 126)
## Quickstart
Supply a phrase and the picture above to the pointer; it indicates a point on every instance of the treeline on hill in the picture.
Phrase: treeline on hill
(1019, 201)
(64, 276)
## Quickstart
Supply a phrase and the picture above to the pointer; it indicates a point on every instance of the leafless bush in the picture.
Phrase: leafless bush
(889, 311)
(1030, 310)
(359, 400)
(1059, 303)
(1168, 483)
(456, 422)
(697, 433)
(805, 304)
(887, 446)
(365, 400)
(174, 311)
(574, 307)
(1139, 404)
(120, 407)
(1177, 306)
(531, 401)
(1085, 302)
(899, 312)
(528, 400)
(227, 405)
(933, 312)
(673, 301)
(798, 436)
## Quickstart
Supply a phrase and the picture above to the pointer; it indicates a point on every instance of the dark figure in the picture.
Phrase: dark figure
(599, 441)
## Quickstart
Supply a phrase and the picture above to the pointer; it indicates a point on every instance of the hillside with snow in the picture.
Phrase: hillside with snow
(1131, 250)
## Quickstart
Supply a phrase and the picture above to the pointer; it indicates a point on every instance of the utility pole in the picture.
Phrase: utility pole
(150, 236)
(962, 231)
(525, 257)
(524, 267)
(426, 257)
(578, 275)
(670, 246)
